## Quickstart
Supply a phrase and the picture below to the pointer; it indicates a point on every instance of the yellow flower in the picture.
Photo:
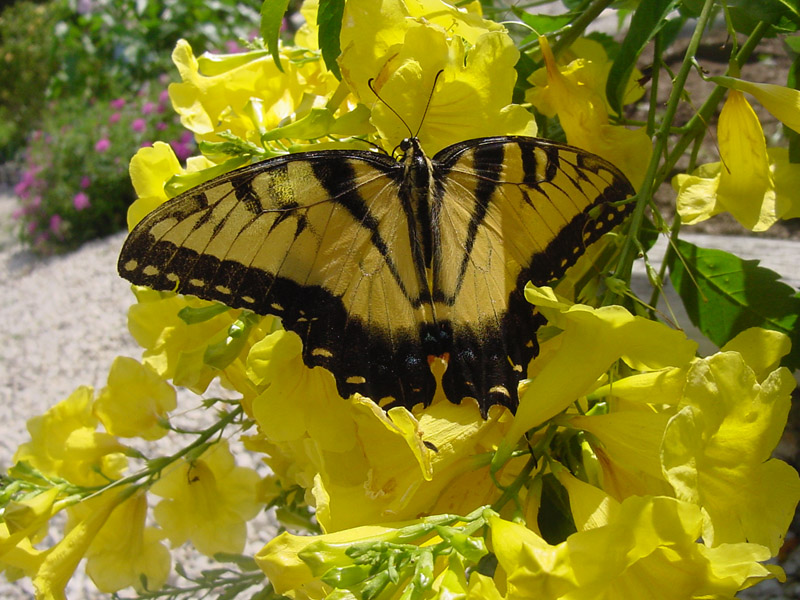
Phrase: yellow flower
(716, 451)
(21, 560)
(134, 401)
(582, 112)
(754, 184)
(124, 549)
(644, 345)
(646, 540)
(207, 501)
(356, 562)
(408, 45)
(367, 465)
(781, 101)
(61, 560)
(532, 567)
(588, 65)
(761, 349)
(178, 350)
(65, 443)
(281, 558)
(25, 522)
(218, 91)
(150, 169)
(629, 453)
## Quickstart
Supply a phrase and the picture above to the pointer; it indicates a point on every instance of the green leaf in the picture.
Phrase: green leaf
(191, 315)
(185, 181)
(525, 67)
(746, 14)
(555, 517)
(318, 123)
(646, 22)
(272, 12)
(793, 81)
(724, 295)
(542, 24)
(224, 352)
(329, 21)
(794, 43)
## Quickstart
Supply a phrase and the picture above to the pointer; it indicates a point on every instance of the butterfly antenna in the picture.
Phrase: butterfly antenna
(428, 103)
(389, 106)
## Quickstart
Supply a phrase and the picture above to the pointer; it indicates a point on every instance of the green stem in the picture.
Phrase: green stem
(651, 113)
(579, 25)
(693, 133)
(512, 490)
(630, 247)
(202, 438)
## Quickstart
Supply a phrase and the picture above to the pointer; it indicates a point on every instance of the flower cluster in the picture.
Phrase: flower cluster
(633, 468)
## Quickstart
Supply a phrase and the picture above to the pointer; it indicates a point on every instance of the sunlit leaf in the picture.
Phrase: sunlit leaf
(272, 12)
(329, 20)
(724, 295)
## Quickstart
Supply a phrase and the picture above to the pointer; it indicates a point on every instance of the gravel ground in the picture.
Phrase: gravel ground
(62, 322)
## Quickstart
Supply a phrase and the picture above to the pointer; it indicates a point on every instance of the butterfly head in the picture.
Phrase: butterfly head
(408, 149)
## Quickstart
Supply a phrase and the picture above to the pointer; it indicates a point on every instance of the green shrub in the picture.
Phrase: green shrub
(75, 185)
(25, 70)
(109, 46)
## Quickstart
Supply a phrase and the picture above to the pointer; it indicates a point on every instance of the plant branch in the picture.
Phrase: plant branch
(630, 247)
(579, 25)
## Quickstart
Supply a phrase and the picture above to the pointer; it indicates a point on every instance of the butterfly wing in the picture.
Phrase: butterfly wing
(318, 239)
(510, 210)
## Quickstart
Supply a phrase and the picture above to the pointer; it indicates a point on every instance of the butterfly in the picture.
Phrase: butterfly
(380, 264)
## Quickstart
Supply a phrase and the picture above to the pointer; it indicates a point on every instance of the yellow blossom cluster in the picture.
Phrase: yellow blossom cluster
(633, 468)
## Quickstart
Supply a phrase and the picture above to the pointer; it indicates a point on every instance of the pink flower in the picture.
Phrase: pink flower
(32, 227)
(139, 125)
(114, 117)
(232, 47)
(187, 137)
(163, 97)
(17, 214)
(85, 182)
(161, 126)
(102, 145)
(181, 150)
(118, 103)
(55, 223)
(21, 190)
(81, 201)
(148, 108)
(145, 144)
